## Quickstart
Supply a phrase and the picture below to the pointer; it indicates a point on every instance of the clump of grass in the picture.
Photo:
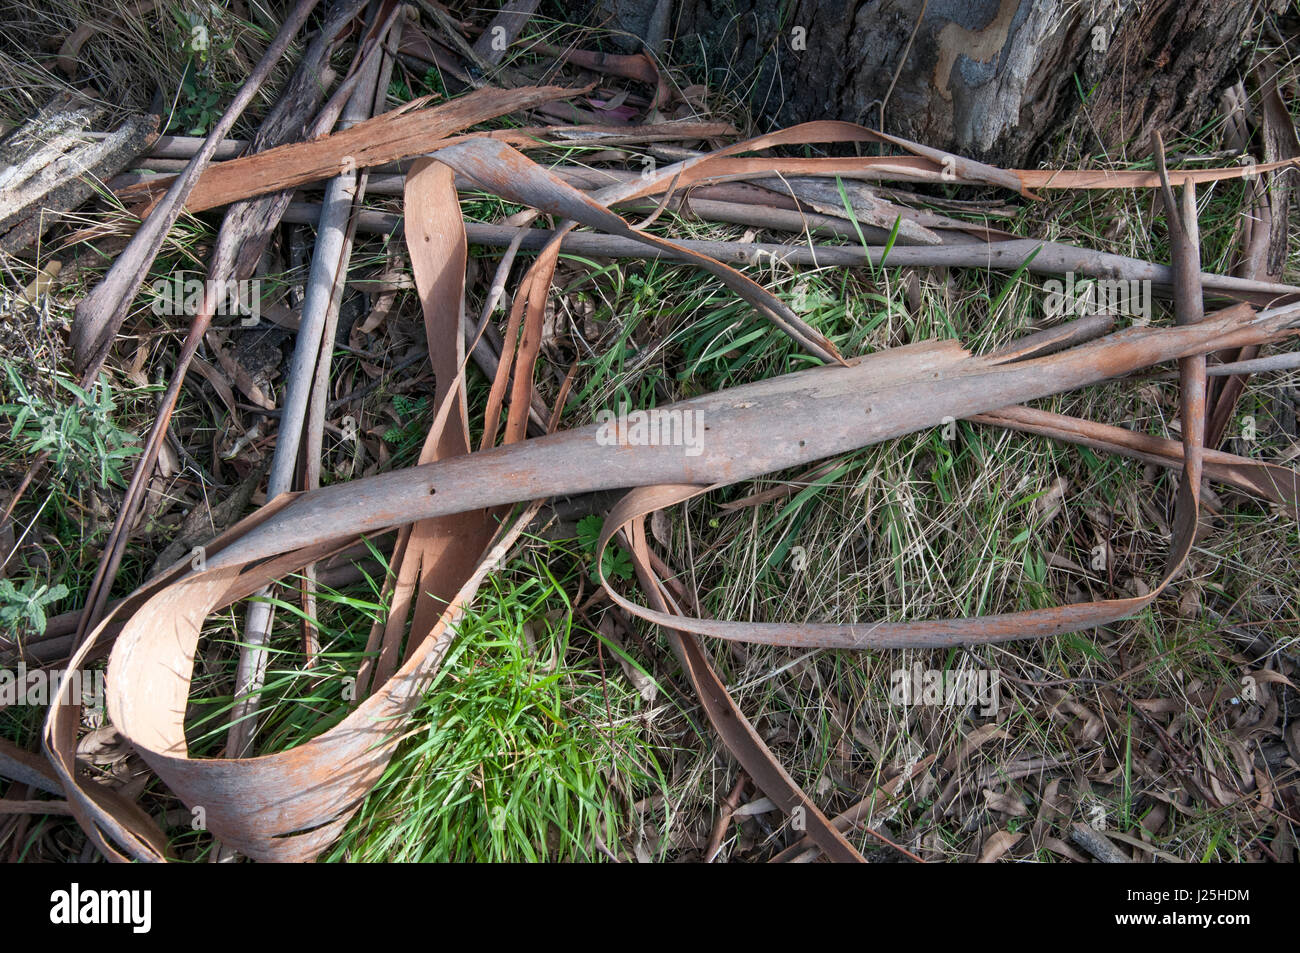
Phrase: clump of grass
(512, 755)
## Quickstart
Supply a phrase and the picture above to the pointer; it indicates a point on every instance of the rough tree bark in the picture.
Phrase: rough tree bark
(998, 80)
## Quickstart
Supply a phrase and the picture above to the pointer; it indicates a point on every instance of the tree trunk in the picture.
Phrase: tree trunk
(998, 80)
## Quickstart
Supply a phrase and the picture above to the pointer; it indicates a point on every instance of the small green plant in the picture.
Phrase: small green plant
(401, 91)
(199, 105)
(616, 563)
(433, 82)
(27, 604)
(408, 435)
(81, 437)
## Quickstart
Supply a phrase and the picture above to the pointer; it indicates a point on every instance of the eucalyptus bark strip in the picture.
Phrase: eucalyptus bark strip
(881, 395)
(375, 82)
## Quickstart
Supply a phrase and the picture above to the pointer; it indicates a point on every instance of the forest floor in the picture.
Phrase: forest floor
(557, 728)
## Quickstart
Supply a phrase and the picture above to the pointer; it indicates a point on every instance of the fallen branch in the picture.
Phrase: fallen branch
(1048, 258)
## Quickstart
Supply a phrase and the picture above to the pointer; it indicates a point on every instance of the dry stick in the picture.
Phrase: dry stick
(28, 209)
(183, 147)
(328, 271)
(802, 193)
(916, 227)
(759, 216)
(503, 30)
(314, 434)
(725, 811)
(1052, 258)
(102, 312)
(1274, 362)
(365, 104)
(1098, 844)
(259, 613)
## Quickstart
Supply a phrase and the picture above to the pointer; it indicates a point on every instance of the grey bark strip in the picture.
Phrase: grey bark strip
(504, 29)
(842, 408)
(29, 209)
(1045, 258)
(325, 282)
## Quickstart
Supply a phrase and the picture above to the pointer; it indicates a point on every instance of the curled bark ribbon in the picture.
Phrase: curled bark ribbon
(289, 805)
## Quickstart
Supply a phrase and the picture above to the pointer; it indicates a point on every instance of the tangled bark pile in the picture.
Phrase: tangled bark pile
(459, 511)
